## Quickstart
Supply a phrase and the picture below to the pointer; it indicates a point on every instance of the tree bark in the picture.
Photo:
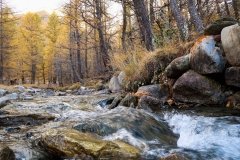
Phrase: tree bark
(236, 6)
(102, 40)
(144, 24)
(218, 8)
(195, 16)
(124, 27)
(181, 22)
(152, 14)
(227, 8)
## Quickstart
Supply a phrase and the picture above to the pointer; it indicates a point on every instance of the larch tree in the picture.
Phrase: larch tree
(181, 21)
(144, 24)
(195, 16)
(32, 38)
(52, 32)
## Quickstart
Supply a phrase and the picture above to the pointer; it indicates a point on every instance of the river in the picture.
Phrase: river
(194, 135)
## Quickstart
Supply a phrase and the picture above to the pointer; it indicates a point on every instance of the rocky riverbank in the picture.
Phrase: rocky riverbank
(206, 76)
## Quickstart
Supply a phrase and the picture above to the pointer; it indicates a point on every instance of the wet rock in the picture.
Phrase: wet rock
(105, 102)
(18, 120)
(156, 91)
(3, 92)
(104, 91)
(232, 76)
(20, 88)
(4, 101)
(7, 154)
(206, 58)
(114, 85)
(137, 122)
(216, 27)
(178, 66)
(122, 78)
(150, 103)
(129, 101)
(231, 44)
(12, 129)
(192, 87)
(116, 102)
(12, 96)
(61, 93)
(49, 92)
(68, 143)
(174, 156)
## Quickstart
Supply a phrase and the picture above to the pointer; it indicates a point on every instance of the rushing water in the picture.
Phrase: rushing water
(197, 137)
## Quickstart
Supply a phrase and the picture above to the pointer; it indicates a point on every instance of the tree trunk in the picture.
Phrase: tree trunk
(144, 24)
(218, 8)
(124, 27)
(181, 22)
(236, 6)
(227, 8)
(152, 14)
(1, 42)
(195, 16)
(102, 40)
(33, 72)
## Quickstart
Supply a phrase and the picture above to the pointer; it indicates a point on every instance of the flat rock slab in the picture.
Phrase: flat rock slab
(30, 119)
(69, 143)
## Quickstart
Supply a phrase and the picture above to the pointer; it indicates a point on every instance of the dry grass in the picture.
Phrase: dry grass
(141, 65)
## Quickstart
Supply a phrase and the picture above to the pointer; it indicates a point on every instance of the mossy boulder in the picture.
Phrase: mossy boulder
(69, 143)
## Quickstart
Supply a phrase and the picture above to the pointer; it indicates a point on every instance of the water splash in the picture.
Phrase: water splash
(218, 137)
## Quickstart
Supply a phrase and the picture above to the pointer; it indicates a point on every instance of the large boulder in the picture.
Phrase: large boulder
(114, 84)
(68, 143)
(156, 91)
(137, 122)
(206, 58)
(192, 87)
(232, 76)
(178, 66)
(216, 27)
(150, 103)
(231, 44)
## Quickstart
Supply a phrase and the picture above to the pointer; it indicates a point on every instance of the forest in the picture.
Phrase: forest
(120, 80)
(85, 40)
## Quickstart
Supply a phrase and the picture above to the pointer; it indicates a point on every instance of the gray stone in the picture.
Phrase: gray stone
(192, 87)
(122, 78)
(206, 58)
(232, 76)
(129, 100)
(150, 103)
(116, 102)
(156, 91)
(3, 92)
(114, 85)
(231, 44)
(178, 66)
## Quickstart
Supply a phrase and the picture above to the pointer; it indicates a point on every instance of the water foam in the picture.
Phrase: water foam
(218, 136)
